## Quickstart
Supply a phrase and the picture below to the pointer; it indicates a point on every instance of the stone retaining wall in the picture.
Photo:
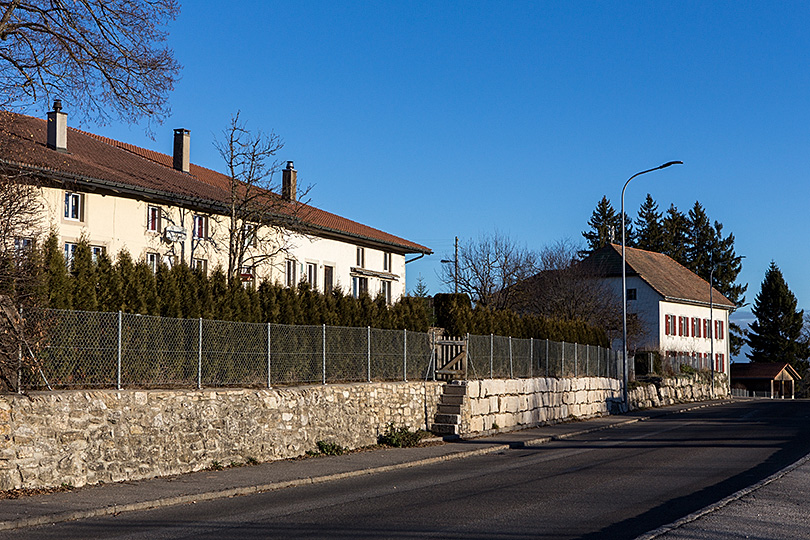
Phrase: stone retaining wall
(515, 403)
(87, 437)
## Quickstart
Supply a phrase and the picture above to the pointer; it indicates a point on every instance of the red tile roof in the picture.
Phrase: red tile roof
(761, 370)
(670, 279)
(95, 160)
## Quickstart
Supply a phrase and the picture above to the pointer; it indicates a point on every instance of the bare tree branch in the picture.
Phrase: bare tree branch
(99, 55)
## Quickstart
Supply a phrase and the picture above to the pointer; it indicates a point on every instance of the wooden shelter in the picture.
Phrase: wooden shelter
(765, 379)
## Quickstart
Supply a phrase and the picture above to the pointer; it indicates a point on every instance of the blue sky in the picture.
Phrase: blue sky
(435, 119)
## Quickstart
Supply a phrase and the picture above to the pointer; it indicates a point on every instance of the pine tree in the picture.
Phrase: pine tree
(675, 227)
(84, 278)
(109, 287)
(606, 227)
(168, 292)
(649, 232)
(57, 278)
(701, 242)
(776, 335)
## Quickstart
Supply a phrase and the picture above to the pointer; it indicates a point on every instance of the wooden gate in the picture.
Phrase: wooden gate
(450, 356)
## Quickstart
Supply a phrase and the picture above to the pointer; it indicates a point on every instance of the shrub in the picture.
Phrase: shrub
(399, 437)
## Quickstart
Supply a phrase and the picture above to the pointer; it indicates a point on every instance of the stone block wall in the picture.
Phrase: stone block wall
(512, 403)
(87, 437)
(515, 403)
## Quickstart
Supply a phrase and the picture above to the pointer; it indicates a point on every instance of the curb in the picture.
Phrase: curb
(263, 488)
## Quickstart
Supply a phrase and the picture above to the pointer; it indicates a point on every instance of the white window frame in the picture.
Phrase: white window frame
(328, 287)
(386, 261)
(312, 275)
(152, 260)
(70, 253)
(250, 234)
(359, 286)
(199, 227)
(74, 206)
(153, 219)
(290, 267)
(199, 264)
(97, 251)
(361, 257)
(385, 290)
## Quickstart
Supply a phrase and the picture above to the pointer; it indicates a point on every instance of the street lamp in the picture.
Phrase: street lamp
(711, 313)
(624, 280)
(455, 270)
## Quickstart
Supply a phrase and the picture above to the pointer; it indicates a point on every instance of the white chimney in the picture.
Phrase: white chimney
(182, 142)
(57, 128)
(289, 182)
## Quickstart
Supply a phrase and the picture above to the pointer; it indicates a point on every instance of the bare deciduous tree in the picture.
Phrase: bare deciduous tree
(567, 289)
(100, 55)
(489, 268)
(259, 222)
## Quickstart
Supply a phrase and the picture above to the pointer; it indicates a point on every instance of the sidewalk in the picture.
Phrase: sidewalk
(109, 499)
(773, 509)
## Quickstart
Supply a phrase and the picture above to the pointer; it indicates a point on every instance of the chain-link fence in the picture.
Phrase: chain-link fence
(118, 350)
(499, 357)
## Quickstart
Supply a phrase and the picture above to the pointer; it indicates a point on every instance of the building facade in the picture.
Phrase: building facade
(680, 314)
(164, 209)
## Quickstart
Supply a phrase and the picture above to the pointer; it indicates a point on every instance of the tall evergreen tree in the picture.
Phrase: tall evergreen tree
(59, 293)
(676, 227)
(606, 226)
(109, 288)
(776, 335)
(701, 242)
(84, 278)
(168, 292)
(649, 232)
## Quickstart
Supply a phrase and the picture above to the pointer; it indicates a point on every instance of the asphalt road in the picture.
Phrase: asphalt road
(617, 483)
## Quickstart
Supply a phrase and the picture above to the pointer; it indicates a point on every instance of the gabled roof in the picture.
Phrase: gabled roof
(98, 162)
(762, 370)
(668, 278)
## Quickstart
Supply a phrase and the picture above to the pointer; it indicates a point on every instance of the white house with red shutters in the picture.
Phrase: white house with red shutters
(681, 315)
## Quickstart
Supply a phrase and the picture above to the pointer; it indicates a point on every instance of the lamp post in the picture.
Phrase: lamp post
(711, 313)
(624, 280)
(455, 268)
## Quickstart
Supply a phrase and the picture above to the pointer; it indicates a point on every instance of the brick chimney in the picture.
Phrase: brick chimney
(57, 127)
(182, 142)
(289, 182)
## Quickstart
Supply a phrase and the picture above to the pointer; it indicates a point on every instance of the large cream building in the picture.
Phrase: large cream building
(163, 208)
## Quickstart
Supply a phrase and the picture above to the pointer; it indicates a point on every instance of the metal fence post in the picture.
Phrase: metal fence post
(491, 346)
(511, 372)
(269, 365)
(531, 356)
(433, 352)
(199, 355)
(19, 368)
(576, 365)
(405, 355)
(118, 376)
(587, 359)
(562, 359)
(546, 357)
(368, 351)
(324, 355)
(466, 355)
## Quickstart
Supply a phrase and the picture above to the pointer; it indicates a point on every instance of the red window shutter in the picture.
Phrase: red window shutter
(666, 325)
(680, 326)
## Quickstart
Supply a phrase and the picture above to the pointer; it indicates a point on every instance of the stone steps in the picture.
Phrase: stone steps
(447, 420)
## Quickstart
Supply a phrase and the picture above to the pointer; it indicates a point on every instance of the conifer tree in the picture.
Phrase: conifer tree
(606, 227)
(205, 301)
(84, 278)
(58, 282)
(187, 286)
(219, 294)
(649, 233)
(776, 335)
(147, 301)
(168, 292)
(676, 228)
(109, 286)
